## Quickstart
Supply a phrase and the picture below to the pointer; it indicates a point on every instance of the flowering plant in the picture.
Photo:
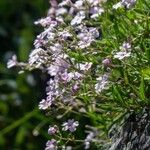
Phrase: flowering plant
(97, 58)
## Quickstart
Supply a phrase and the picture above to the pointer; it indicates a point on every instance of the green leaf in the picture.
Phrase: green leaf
(142, 89)
(117, 95)
(20, 135)
(146, 73)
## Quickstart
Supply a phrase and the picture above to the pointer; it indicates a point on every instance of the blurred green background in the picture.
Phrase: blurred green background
(20, 119)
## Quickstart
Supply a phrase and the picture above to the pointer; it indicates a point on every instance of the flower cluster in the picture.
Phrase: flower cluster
(85, 72)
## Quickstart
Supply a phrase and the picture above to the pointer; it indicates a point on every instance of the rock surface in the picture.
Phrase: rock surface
(134, 133)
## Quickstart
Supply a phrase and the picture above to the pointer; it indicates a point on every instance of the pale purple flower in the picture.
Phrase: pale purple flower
(37, 57)
(51, 12)
(61, 11)
(52, 89)
(51, 145)
(125, 51)
(101, 84)
(78, 18)
(53, 130)
(56, 49)
(39, 41)
(75, 87)
(85, 42)
(85, 67)
(94, 32)
(44, 37)
(12, 62)
(88, 140)
(44, 104)
(64, 34)
(71, 11)
(76, 75)
(53, 3)
(78, 3)
(128, 3)
(96, 12)
(59, 66)
(94, 2)
(66, 77)
(44, 21)
(125, 46)
(122, 54)
(70, 125)
(53, 69)
(60, 19)
(52, 92)
(50, 36)
(106, 62)
(64, 3)
(87, 36)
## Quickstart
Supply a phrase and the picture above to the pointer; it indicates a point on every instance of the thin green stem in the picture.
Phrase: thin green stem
(19, 122)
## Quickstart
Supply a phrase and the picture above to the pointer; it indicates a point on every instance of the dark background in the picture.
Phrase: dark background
(20, 119)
